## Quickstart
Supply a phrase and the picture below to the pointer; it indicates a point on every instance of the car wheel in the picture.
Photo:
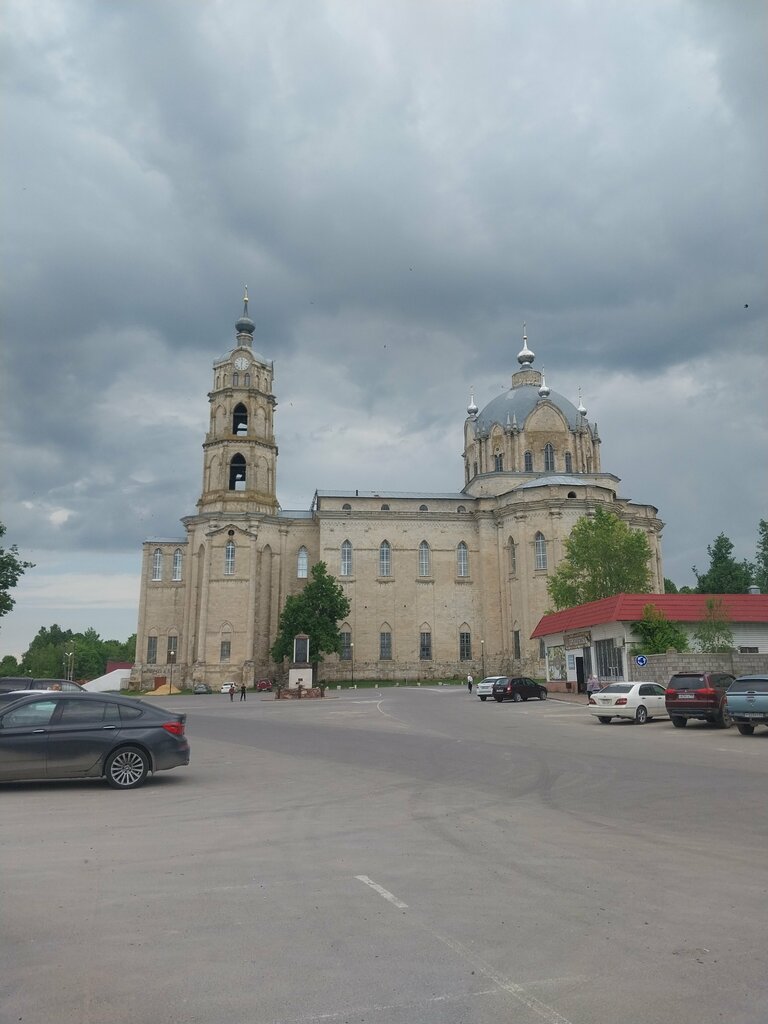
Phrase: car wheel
(516, 697)
(483, 698)
(724, 720)
(127, 768)
(678, 721)
(744, 729)
(524, 699)
(641, 715)
(542, 694)
(498, 699)
(603, 719)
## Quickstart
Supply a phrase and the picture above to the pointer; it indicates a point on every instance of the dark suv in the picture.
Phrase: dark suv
(517, 688)
(698, 695)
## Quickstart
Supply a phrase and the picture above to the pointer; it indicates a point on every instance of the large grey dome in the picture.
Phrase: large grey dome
(518, 403)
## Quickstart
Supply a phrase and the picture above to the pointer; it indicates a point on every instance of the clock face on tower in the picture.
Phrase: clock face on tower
(241, 363)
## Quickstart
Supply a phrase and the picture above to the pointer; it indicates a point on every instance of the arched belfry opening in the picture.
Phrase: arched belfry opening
(237, 473)
(240, 420)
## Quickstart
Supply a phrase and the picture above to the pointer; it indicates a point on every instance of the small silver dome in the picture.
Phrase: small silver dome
(525, 357)
(543, 390)
(472, 408)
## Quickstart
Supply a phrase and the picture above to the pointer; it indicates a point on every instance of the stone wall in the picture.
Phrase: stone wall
(661, 667)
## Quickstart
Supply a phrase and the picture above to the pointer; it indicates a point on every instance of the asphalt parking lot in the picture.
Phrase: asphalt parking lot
(396, 856)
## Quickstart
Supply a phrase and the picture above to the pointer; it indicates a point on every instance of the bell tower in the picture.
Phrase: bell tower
(239, 451)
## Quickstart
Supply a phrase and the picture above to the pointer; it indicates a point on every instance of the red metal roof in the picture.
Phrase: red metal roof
(629, 608)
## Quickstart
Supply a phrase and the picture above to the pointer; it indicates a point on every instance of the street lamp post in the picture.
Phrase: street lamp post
(482, 655)
(352, 658)
(171, 660)
(70, 665)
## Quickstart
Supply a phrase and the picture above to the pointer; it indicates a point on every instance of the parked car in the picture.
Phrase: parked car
(264, 684)
(484, 688)
(225, 687)
(638, 701)
(747, 700)
(58, 735)
(698, 695)
(202, 688)
(517, 688)
(9, 683)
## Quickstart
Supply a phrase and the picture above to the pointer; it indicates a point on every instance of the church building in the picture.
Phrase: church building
(439, 584)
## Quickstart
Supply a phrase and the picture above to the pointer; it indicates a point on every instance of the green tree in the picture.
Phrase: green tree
(316, 611)
(657, 634)
(603, 557)
(713, 634)
(11, 569)
(669, 586)
(9, 666)
(760, 575)
(725, 575)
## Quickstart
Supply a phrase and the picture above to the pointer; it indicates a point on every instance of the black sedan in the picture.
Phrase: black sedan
(518, 688)
(57, 735)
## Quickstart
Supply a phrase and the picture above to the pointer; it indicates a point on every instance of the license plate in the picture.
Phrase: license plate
(686, 696)
(750, 714)
(604, 701)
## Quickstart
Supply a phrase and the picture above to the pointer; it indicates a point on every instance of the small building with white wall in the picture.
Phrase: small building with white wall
(598, 637)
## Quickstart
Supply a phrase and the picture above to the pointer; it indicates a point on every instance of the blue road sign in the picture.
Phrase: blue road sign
(641, 660)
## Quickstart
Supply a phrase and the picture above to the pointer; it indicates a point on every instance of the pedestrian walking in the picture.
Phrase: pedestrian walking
(231, 691)
(593, 685)
(243, 694)
(470, 681)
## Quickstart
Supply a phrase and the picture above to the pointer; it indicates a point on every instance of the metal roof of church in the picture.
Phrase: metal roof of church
(420, 495)
(629, 608)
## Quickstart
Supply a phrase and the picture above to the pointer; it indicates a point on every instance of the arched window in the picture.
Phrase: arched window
(346, 558)
(462, 559)
(385, 559)
(225, 643)
(540, 551)
(512, 557)
(461, 508)
(247, 380)
(498, 462)
(425, 559)
(157, 564)
(235, 379)
(176, 575)
(237, 473)
(385, 508)
(423, 508)
(549, 458)
(425, 644)
(465, 644)
(240, 420)
(302, 563)
(568, 463)
(571, 494)
(346, 507)
(528, 457)
(218, 380)
(229, 559)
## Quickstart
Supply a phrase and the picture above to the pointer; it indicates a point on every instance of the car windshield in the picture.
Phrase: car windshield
(750, 683)
(617, 688)
(686, 682)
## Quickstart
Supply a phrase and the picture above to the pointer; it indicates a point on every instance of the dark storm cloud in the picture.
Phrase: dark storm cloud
(401, 185)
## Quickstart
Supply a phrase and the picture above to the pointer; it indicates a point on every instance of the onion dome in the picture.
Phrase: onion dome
(472, 408)
(245, 325)
(581, 410)
(525, 357)
(543, 390)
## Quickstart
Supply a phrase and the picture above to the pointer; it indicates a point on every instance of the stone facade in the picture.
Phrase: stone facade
(439, 584)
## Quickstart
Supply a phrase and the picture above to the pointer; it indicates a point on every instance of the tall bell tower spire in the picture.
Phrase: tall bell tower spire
(239, 451)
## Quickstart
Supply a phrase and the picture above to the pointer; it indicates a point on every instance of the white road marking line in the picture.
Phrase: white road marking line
(547, 1013)
(382, 891)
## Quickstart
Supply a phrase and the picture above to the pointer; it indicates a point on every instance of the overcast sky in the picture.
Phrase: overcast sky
(400, 183)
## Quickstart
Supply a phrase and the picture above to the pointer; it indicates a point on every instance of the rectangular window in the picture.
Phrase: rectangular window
(542, 649)
(173, 642)
(425, 647)
(385, 647)
(516, 640)
(385, 560)
(346, 647)
(226, 648)
(151, 650)
(425, 568)
(462, 560)
(609, 661)
(346, 559)
(465, 647)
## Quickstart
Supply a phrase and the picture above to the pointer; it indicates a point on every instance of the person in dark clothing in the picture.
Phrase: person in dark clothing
(242, 691)
(231, 691)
